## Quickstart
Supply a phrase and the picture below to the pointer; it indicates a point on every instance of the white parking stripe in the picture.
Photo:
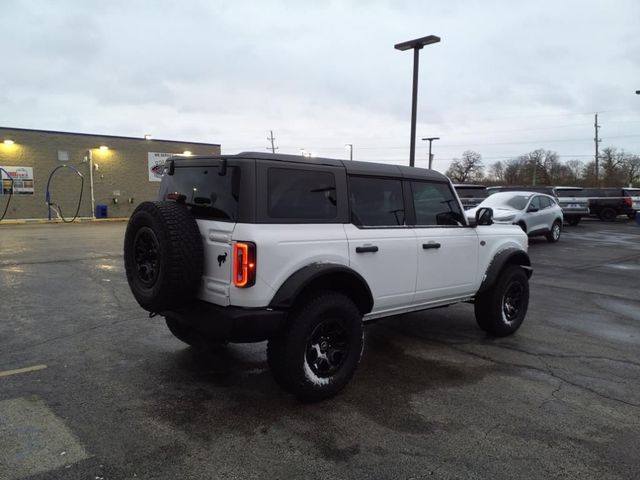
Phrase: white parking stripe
(6, 373)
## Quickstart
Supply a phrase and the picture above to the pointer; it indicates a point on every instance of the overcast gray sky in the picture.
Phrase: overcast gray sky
(507, 78)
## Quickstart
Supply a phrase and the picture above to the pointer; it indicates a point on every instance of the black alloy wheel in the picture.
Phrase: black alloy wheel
(146, 248)
(327, 347)
(512, 302)
(501, 310)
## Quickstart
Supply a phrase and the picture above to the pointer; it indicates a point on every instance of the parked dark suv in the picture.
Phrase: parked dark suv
(608, 203)
(470, 195)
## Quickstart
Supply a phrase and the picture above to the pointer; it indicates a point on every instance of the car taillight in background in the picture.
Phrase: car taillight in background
(628, 202)
(244, 264)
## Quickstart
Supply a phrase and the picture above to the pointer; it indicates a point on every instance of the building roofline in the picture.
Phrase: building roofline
(33, 130)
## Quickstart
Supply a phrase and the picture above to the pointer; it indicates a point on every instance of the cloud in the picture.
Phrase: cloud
(322, 74)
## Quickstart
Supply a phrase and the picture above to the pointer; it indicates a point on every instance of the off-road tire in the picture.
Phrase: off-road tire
(608, 215)
(163, 255)
(493, 314)
(556, 230)
(573, 221)
(320, 327)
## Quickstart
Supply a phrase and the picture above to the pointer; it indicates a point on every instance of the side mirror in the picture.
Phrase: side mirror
(532, 209)
(484, 216)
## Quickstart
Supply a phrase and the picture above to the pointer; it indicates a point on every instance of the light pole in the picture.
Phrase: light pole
(417, 45)
(431, 139)
(88, 157)
(350, 147)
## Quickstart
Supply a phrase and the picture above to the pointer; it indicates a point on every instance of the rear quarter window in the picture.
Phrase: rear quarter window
(293, 193)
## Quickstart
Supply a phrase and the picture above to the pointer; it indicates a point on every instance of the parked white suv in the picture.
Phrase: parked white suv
(302, 251)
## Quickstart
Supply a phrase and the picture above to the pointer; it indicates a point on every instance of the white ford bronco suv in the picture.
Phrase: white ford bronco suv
(303, 251)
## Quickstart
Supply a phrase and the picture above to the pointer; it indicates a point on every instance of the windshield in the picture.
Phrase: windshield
(507, 200)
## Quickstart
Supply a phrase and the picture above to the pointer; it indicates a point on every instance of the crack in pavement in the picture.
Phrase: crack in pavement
(548, 370)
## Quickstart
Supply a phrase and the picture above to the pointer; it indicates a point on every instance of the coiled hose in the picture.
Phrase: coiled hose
(58, 208)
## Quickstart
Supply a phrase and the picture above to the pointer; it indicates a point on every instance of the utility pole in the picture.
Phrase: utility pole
(273, 148)
(597, 140)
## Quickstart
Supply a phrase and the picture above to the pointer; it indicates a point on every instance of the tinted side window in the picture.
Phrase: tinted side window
(301, 194)
(544, 202)
(435, 204)
(376, 202)
(535, 203)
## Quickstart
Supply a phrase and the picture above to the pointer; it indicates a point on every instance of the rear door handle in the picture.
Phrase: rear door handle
(368, 248)
(426, 246)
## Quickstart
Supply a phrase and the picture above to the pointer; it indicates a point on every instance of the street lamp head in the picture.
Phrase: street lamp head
(637, 92)
(417, 43)
(431, 139)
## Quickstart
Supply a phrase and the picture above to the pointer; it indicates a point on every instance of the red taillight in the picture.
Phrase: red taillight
(244, 264)
(628, 202)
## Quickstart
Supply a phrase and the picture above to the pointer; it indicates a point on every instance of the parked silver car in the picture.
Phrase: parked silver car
(536, 213)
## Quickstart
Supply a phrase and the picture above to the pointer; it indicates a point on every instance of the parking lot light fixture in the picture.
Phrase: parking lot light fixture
(8, 141)
(103, 148)
(416, 45)
(431, 139)
(187, 153)
(350, 147)
(147, 136)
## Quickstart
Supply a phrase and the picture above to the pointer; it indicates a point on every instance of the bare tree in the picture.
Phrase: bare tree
(631, 168)
(514, 171)
(612, 163)
(496, 171)
(575, 169)
(469, 168)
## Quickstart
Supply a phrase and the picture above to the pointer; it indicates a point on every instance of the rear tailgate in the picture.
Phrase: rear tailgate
(216, 277)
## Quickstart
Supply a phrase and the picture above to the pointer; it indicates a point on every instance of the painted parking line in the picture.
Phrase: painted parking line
(34, 440)
(17, 371)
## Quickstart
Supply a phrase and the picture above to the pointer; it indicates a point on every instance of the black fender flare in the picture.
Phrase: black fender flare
(508, 256)
(329, 275)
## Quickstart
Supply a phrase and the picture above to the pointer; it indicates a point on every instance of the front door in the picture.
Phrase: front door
(447, 247)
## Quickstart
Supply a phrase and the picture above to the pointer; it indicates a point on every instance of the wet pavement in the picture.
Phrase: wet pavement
(113, 395)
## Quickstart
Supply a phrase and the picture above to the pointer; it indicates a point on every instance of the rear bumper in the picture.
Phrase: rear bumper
(574, 212)
(233, 324)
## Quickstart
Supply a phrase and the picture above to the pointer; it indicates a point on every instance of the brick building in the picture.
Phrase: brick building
(123, 170)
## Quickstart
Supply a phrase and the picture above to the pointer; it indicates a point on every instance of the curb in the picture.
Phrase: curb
(40, 221)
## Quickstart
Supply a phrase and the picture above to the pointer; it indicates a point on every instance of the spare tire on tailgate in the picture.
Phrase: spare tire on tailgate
(163, 255)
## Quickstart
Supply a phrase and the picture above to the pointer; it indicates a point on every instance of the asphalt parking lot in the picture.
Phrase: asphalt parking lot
(109, 393)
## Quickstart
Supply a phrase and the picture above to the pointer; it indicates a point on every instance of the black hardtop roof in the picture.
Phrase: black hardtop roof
(352, 167)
